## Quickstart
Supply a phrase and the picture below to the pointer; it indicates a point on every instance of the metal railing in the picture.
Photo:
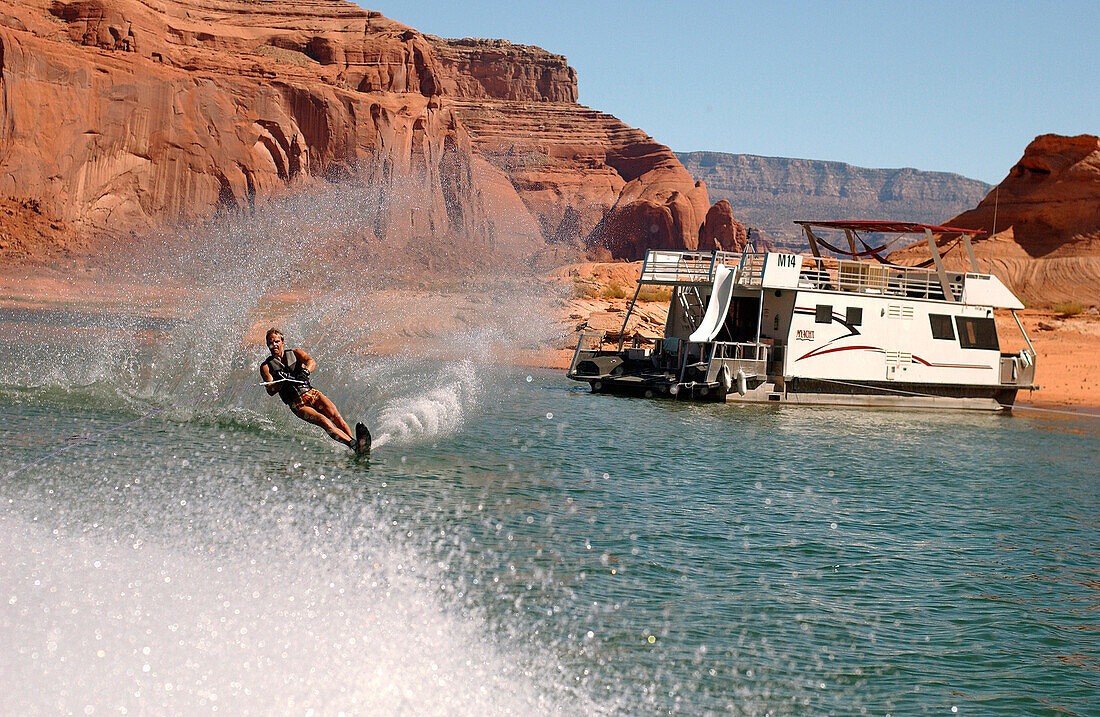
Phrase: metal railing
(752, 358)
(680, 354)
(862, 277)
(739, 351)
(751, 272)
(588, 345)
(692, 310)
(683, 267)
(826, 273)
(1017, 369)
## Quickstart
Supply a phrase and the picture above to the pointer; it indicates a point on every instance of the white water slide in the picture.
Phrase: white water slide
(718, 305)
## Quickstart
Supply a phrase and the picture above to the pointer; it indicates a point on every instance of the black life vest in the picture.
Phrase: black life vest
(288, 391)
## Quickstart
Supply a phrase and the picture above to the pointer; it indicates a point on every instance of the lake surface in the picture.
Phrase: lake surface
(517, 545)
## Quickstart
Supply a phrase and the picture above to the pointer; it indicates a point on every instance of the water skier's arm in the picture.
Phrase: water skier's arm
(265, 373)
(305, 360)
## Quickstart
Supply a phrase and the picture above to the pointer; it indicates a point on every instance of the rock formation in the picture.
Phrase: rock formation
(1047, 209)
(662, 207)
(497, 69)
(586, 177)
(770, 193)
(1050, 198)
(720, 231)
(1046, 214)
(118, 116)
(121, 114)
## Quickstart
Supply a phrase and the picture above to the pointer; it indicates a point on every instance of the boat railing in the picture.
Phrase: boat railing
(683, 267)
(738, 351)
(751, 270)
(1017, 369)
(729, 258)
(751, 358)
(591, 344)
(862, 277)
(588, 345)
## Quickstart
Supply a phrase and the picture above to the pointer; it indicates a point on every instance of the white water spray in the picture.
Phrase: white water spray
(433, 413)
(272, 606)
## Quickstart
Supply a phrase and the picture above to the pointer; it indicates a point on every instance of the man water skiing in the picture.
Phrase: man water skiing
(286, 372)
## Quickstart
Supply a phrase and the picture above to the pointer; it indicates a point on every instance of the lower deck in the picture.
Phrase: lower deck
(813, 392)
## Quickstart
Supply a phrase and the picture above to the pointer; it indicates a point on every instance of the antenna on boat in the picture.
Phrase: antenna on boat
(996, 201)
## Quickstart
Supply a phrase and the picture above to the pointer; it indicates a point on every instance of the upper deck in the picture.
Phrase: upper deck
(672, 268)
(780, 270)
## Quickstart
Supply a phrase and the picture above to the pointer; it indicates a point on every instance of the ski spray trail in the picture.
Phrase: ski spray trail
(434, 413)
(264, 574)
(191, 305)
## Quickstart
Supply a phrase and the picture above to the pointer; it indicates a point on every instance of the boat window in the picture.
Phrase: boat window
(977, 333)
(941, 327)
(854, 316)
(824, 314)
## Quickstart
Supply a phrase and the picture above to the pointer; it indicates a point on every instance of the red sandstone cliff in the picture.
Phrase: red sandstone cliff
(1047, 216)
(1050, 200)
(120, 114)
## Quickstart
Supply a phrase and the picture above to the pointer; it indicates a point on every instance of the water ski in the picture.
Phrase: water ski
(362, 440)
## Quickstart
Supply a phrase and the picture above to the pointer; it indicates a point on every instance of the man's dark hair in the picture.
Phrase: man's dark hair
(272, 332)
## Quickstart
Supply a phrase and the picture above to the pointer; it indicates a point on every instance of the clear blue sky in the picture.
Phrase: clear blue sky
(948, 86)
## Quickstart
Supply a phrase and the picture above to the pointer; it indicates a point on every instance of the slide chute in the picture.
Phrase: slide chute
(718, 305)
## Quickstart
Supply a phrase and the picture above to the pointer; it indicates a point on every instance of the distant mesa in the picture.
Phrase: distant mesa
(770, 193)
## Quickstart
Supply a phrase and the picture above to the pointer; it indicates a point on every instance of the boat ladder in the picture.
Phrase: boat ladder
(692, 303)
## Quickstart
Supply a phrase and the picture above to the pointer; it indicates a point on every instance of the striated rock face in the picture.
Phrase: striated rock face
(202, 106)
(587, 177)
(1047, 213)
(1050, 198)
(497, 69)
(121, 114)
(720, 231)
(1047, 217)
(770, 193)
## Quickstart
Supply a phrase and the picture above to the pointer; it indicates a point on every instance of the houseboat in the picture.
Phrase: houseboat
(814, 328)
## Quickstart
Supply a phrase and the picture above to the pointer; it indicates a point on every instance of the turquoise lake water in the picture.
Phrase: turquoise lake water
(517, 545)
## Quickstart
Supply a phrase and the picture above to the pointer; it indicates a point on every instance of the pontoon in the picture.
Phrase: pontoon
(815, 329)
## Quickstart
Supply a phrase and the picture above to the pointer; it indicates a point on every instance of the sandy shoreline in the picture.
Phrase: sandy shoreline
(1066, 370)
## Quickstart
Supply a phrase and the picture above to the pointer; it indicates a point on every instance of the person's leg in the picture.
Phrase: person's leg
(313, 416)
(328, 408)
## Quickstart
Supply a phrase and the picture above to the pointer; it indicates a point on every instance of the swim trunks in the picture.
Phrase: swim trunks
(311, 398)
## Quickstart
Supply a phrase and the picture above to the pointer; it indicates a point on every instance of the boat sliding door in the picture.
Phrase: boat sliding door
(741, 320)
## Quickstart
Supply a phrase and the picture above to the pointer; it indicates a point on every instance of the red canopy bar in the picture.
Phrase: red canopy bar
(893, 227)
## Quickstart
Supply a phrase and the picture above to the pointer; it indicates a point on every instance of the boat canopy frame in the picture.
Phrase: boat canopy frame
(850, 227)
